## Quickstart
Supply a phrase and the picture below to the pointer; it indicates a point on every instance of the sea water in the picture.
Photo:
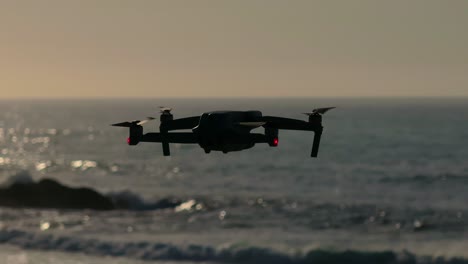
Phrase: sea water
(391, 176)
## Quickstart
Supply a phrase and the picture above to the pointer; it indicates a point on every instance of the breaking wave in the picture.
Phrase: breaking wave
(234, 254)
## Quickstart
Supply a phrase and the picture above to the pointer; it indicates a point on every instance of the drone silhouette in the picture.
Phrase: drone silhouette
(224, 131)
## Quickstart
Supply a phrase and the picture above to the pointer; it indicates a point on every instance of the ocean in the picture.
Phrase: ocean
(390, 185)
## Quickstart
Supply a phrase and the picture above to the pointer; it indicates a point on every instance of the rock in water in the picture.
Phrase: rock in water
(48, 193)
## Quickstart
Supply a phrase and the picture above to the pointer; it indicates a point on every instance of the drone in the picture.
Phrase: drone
(224, 131)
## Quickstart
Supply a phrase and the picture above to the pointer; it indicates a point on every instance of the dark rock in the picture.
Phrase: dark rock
(48, 193)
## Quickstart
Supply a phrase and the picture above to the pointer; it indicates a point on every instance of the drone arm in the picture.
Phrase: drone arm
(182, 138)
(289, 123)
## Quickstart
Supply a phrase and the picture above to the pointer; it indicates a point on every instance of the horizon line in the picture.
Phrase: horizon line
(227, 97)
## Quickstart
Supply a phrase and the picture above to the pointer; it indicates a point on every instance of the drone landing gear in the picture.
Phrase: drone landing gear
(315, 145)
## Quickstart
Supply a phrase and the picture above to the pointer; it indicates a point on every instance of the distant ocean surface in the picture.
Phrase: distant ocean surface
(390, 184)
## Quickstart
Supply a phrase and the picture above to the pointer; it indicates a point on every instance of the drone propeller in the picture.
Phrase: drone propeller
(149, 118)
(319, 111)
(133, 123)
(165, 110)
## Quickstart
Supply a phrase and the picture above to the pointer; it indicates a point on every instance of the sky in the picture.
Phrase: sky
(220, 48)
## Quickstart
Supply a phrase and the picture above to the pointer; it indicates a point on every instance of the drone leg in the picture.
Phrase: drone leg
(166, 150)
(165, 144)
(316, 144)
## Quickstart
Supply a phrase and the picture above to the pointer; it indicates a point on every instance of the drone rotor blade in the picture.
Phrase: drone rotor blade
(319, 111)
(142, 122)
(164, 109)
(322, 110)
(123, 124)
(133, 123)
(139, 123)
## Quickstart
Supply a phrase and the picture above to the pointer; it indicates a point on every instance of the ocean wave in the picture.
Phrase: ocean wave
(243, 212)
(233, 254)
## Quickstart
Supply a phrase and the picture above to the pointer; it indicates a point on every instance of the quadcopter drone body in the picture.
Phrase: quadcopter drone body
(224, 131)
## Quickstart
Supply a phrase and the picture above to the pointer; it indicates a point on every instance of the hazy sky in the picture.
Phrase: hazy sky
(112, 48)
